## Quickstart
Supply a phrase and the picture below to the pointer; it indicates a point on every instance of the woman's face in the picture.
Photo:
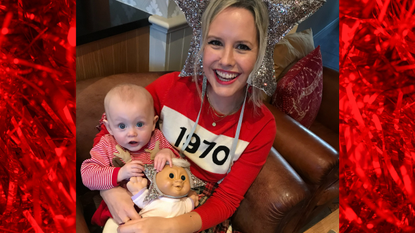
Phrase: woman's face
(231, 51)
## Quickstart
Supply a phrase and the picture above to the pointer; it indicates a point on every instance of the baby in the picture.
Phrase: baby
(132, 142)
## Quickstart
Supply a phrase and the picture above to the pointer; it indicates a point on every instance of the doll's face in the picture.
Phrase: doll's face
(173, 181)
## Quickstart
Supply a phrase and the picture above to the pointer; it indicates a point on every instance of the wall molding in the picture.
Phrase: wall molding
(169, 43)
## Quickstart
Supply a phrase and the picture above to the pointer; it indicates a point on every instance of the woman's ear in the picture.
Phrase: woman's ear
(107, 125)
(156, 118)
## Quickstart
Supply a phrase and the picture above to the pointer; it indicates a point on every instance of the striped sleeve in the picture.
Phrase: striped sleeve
(97, 172)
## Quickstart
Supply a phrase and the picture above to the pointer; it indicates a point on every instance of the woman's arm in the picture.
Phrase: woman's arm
(190, 222)
(120, 205)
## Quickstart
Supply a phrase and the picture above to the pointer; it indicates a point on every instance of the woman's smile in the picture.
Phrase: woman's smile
(226, 77)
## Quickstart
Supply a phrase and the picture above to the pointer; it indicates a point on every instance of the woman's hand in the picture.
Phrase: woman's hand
(120, 204)
(148, 225)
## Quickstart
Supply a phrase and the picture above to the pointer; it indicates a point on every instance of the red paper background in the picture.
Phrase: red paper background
(37, 116)
(377, 112)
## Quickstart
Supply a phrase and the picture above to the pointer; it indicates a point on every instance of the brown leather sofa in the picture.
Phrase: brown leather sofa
(298, 180)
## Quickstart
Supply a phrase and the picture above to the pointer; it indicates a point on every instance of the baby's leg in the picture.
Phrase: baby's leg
(110, 226)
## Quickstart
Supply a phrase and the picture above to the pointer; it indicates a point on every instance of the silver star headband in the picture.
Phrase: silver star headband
(283, 15)
(154, 191)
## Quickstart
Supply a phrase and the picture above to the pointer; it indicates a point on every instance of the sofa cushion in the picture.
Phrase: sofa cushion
(291, 49)
(299, 92)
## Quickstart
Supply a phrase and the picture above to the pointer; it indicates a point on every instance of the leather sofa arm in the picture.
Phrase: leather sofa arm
(311, 157)
(274, 200)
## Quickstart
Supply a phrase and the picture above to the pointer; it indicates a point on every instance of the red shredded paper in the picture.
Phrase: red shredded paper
(37, 116)
(377, 113)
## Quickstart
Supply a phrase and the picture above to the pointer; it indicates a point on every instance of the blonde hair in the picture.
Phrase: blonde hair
(260, 13)
(128, 93)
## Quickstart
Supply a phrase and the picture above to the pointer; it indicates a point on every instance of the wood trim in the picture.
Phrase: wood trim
(124, 53)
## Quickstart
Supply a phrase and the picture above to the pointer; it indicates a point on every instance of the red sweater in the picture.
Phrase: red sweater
(177, 102)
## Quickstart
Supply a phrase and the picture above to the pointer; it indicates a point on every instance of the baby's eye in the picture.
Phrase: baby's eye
(215, 43)
(121, 126)
(243, 47)
(140, 124)
(183, 177)
(171, 175)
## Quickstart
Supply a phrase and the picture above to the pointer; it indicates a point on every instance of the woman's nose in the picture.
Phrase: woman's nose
(227, 58)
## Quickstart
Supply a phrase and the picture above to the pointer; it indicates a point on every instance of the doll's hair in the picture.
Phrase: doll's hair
(128, 93)
(260, 14)
(179, 162)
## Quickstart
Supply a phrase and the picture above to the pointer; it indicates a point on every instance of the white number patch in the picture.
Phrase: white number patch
(208, 150)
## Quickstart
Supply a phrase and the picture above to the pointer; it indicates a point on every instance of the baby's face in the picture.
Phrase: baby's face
(131, 123)
(173, 181)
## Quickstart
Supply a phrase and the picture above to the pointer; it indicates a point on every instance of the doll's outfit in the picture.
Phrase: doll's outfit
(98, 172)
(163, 206)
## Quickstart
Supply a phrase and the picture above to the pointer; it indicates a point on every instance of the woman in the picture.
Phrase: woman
(235, 131)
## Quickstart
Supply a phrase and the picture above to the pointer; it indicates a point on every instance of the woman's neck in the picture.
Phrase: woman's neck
(225, 105)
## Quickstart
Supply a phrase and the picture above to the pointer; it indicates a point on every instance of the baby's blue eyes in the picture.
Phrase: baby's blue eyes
(123, 126)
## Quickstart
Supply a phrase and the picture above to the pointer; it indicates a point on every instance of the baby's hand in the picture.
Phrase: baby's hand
(193, 195)
(161, 157)
(130, 169)
(136, 184)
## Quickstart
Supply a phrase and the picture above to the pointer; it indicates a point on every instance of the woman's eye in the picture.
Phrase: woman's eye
(171, 175)
(140, 124)
(183, 177)
(215, 43)
(121, 126)
(243, 47)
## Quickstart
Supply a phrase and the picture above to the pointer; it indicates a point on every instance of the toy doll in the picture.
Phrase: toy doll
(169, 194)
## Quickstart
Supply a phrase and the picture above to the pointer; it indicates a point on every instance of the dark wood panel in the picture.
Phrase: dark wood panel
(124, 53)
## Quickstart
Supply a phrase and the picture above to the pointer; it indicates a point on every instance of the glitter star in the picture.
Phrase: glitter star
(283, 16)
